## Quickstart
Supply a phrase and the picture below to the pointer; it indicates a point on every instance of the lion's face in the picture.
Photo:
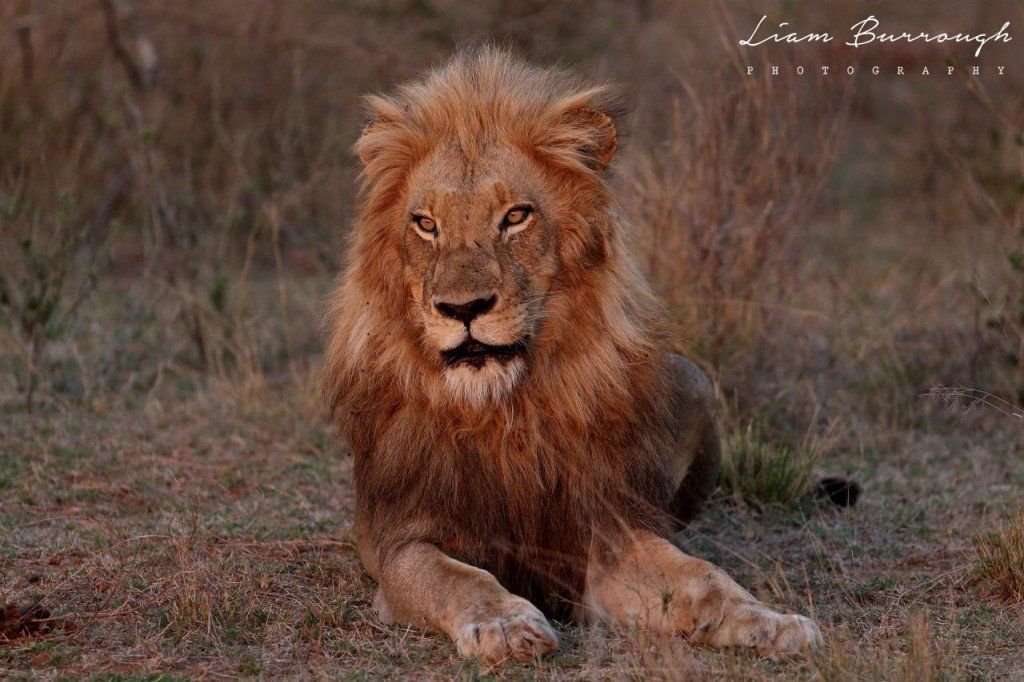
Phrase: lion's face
(480, 256)
(485, 211)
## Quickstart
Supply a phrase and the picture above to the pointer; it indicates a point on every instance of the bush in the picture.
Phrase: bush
(44, 278)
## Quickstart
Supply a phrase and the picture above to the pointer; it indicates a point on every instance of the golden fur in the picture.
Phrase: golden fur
(534, 467)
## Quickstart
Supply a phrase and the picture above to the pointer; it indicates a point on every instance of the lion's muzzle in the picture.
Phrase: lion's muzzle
(466, 312)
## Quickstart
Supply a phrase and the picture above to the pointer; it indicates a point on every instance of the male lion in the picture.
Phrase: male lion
(498, 367)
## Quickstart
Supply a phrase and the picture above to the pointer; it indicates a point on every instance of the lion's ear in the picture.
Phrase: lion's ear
(599, 138)
(364, 149)
(381, 114)
(585, 126)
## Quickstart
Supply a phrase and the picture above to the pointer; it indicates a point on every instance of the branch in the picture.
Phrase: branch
(142, 77)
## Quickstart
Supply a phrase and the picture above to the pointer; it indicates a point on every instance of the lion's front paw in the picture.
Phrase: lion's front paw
(517, 630)
(754, 625)
(796, 634)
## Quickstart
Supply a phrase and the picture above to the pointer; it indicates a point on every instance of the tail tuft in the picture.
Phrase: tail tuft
(842, 491)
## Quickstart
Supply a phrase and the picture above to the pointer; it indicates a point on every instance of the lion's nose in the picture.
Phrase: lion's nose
(466, 312)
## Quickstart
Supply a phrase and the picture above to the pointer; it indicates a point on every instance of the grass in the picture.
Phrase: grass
(1000, 567)
(214, 537)
(759, 471)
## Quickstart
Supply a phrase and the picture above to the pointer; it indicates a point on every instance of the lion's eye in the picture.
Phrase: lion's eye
(516, 216)
(425, 224)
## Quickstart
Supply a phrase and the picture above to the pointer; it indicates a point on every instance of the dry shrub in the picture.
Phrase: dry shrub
(188, 155)
(995, 183)
(54, 229)
(966, 170)
(1000, 569)
(47, 269)
(723, 205)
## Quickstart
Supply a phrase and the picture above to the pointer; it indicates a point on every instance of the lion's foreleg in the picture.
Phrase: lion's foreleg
(653, 585)
(422, 586)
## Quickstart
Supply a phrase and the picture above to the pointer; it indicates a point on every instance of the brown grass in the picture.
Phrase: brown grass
(831, 249)
(1000, 569)
(721, 206)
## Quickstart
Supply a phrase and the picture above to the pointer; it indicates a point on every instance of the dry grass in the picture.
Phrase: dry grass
(831, 251)
(721, 205)
(207, 533)
(1000, 567)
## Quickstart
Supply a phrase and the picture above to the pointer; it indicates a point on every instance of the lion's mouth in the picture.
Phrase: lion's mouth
(475, 354)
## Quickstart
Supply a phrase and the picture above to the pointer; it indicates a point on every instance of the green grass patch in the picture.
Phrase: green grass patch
(759, 471)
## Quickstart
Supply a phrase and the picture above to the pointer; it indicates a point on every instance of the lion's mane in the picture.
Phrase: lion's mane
(573, 454)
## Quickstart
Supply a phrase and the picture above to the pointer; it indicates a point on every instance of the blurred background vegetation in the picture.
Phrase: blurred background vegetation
(176, 187)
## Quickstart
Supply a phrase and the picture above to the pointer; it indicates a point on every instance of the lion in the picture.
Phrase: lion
(524, 443)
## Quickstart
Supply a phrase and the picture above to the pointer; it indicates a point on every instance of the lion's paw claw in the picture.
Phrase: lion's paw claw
(758, 627)
(518, 632)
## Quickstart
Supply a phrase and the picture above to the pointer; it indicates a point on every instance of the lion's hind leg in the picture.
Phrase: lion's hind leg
(653, 585)
(697, 456)
(701, 478)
